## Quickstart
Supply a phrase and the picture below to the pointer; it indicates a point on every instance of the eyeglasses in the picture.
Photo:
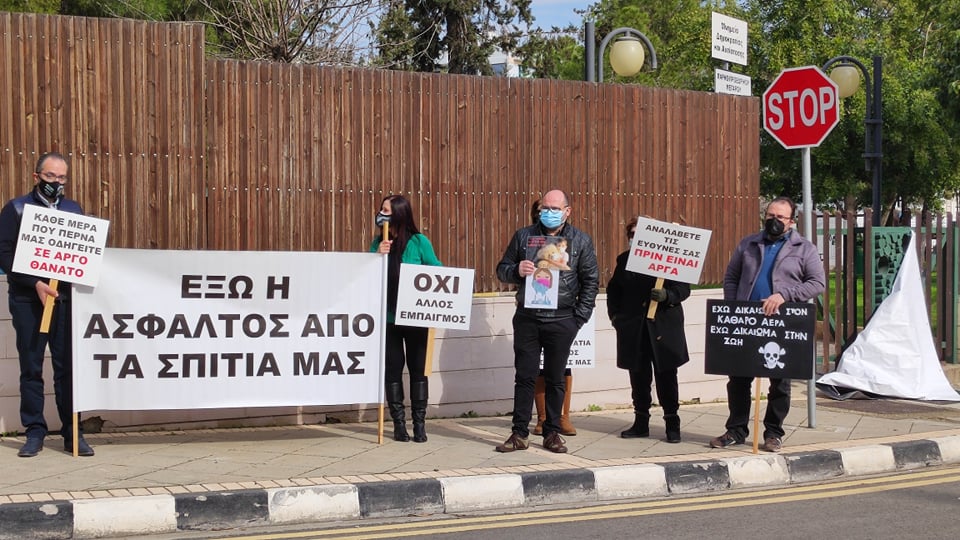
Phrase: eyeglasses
(555, 208)
(780, 218)
(50, 177)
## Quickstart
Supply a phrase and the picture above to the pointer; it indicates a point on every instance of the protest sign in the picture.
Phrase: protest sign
(743, 342)
(583, 351)
(435, 296)
(668, 251)
(205, 329)
(60, 245)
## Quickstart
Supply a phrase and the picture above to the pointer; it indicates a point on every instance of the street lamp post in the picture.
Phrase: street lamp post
(626, 54)
(846, 75)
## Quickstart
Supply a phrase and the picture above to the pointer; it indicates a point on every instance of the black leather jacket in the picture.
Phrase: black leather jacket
(577, 294)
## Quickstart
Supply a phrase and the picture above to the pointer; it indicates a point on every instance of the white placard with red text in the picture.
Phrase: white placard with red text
(60, 245)
(213, 329)
(669, 251)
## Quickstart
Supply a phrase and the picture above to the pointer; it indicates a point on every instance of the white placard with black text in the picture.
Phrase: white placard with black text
(434, 296)
(583, 352)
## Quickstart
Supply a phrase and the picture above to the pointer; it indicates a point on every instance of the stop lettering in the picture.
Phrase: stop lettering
(800, 107)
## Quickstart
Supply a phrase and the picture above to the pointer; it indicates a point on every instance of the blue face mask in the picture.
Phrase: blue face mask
(551, 219)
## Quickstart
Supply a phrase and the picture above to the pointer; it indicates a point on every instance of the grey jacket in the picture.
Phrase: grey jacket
(797, 273)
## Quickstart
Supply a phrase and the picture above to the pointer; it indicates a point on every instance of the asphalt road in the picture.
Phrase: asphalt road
(922, 504)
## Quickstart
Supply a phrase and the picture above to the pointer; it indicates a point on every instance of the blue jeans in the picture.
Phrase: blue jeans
(31, 345)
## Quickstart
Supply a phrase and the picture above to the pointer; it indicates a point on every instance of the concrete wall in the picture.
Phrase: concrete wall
(473, 371)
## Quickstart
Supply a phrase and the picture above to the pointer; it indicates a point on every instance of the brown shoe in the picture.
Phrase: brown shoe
(554, 443)
(772, 444)
(513, 442)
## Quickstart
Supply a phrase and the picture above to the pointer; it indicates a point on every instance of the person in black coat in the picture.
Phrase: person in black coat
(651, 350)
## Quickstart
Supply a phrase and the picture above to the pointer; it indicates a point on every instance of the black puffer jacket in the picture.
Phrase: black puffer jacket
(577, 294)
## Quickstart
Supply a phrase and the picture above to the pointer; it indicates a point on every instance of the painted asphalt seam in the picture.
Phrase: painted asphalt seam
(157, 514)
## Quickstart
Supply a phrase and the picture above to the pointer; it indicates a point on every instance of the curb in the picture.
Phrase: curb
(158, 514)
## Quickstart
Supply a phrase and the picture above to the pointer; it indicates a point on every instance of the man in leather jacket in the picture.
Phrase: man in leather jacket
(551, 331)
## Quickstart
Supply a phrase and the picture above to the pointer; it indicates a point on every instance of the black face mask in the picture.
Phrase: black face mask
(50, 190)
(774, 228)
(381, 219)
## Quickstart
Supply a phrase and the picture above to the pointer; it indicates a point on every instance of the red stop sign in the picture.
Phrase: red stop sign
(800, 108)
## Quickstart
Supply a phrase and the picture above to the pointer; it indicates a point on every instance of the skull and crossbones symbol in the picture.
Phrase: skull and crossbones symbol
(771, 355)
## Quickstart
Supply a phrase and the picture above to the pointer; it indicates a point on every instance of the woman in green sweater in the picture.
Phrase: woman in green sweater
(405, 344)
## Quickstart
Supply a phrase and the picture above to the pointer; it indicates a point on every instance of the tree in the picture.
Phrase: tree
(301, 31)
(456, 36)
(919, 134)
(554, 54)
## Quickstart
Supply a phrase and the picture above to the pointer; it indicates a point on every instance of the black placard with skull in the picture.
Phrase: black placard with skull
(743, 342)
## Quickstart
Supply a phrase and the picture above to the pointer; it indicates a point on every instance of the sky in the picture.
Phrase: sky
(560, 13)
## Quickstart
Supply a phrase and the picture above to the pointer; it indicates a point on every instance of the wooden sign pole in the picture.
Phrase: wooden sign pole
(652, 312)
(756, 417)
(48, 308)
(385, 235)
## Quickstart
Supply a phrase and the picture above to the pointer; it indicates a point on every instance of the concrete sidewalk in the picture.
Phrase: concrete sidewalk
(155, 482)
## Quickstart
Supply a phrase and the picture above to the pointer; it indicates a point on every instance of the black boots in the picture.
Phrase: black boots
(418, 409)
(395, 403)
(640, 427)
(673, 427)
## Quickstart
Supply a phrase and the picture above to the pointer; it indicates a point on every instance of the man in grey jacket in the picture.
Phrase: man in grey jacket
(773, 266)
(551, 331)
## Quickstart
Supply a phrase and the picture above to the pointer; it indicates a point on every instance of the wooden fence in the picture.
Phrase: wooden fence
(183, 152)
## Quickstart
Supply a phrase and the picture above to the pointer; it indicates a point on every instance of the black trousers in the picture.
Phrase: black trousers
(668, 391)
(31, 346)
(738, 401)
(406, 345)
(530, 337)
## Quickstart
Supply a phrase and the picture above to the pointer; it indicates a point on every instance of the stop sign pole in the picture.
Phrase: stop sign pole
(800, 108)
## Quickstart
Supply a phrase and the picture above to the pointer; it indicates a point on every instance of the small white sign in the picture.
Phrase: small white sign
(435, 296)
(583, 352)
(729, 39)
(668, 250)
(728, 82)
(60, 245)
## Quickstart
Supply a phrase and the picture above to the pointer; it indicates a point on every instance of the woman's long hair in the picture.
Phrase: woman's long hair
(402, 227)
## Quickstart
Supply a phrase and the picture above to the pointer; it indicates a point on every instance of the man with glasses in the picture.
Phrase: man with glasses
(551, 331)
(27, 296)
(773, 266)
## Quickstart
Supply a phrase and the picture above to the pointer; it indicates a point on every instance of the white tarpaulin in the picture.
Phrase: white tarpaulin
(894, 355)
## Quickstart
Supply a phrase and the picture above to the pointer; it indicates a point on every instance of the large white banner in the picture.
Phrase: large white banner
(205, 329)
